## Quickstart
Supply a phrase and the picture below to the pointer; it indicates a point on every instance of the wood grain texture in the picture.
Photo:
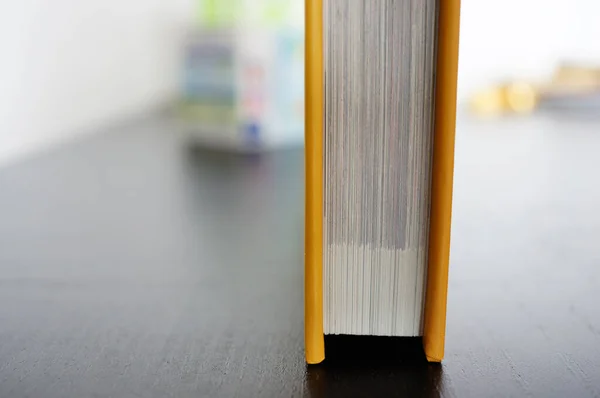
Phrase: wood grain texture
(134, 266)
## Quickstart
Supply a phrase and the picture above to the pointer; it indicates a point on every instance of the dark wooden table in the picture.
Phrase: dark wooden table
(132, 265)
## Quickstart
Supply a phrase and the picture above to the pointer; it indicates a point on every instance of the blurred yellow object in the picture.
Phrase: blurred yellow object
(513, 97)
(567, 82)
(521, 97)
(574, 74)
(489, 101)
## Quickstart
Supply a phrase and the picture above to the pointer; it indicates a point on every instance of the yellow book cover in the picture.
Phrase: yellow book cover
(434, 315)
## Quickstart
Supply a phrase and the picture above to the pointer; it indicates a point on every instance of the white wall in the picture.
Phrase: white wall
(70, 66)
(523, 38)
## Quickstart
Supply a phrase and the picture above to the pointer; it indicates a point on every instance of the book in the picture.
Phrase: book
(380, 119)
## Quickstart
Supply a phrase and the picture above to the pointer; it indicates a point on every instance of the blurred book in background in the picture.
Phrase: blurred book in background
(242, 85)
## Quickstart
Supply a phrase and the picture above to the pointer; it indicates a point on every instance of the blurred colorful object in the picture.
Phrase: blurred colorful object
(243, 76)
(570, 87)
(250, 13)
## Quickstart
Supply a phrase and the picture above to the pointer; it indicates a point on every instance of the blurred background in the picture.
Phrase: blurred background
(71, 68)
